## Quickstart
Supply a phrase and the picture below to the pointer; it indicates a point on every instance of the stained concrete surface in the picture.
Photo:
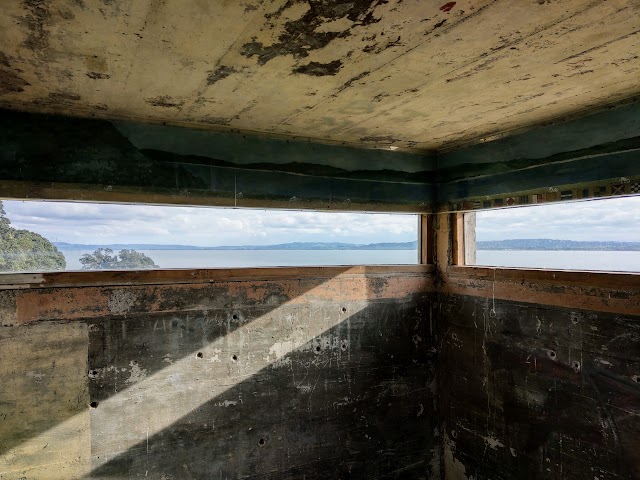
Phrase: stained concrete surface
(314, 378)
(405, 74)
(534, 391)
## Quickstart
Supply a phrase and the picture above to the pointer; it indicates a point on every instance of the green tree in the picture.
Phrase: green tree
(102, 259)
(22, 250)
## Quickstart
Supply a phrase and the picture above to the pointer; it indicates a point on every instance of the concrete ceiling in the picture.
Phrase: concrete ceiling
(416, 75)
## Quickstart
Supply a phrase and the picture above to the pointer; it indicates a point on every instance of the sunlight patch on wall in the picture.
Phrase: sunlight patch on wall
(155, 401)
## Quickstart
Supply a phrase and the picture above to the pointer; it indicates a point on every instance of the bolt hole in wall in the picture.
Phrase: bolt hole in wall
(599, 234)
(38, 236)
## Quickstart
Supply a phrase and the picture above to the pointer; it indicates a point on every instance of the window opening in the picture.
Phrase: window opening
(599, 234)
(40, 236)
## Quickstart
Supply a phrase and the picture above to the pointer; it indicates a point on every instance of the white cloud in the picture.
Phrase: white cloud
(93, 223)
(75, 222)
(614, 219)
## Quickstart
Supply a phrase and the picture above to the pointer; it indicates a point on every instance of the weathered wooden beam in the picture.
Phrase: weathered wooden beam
(595, 291)
(426, 236)
(11, 281)
(458, 239)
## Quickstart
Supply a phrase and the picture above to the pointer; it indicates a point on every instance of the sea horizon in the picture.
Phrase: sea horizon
(507, 245)
(625, 261)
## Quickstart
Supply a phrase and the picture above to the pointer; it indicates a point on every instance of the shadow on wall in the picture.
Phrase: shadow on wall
(52, 383)
(538, 392)
(283, 388)
(356, 401)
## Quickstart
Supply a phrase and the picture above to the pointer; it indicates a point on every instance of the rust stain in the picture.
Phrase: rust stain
(96, 302)
(71, 304)
(559, 295)
(448, 6)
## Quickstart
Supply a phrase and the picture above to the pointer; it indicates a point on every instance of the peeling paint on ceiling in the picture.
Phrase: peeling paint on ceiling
(412, 75)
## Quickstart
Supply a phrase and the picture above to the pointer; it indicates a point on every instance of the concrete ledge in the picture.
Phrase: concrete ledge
(12, 281)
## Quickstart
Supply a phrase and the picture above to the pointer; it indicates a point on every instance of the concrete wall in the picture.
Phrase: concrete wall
(329, 373)
(539, 377)
(317, 373)
(322, 374)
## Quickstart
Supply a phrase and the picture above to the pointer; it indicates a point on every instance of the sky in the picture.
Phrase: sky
(616, 219)
(95, 223)
(609, 219)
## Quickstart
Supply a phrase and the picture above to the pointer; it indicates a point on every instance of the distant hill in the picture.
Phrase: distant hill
(549, 244)
(280, 246)
(520, 244)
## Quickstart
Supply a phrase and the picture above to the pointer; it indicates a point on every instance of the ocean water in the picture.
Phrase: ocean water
(262, 258)
(556, 260)
(561, 260)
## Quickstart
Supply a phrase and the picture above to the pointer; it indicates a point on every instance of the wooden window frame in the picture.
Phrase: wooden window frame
(459, 267)
(426, 233)
(12, 281)
(458, 248)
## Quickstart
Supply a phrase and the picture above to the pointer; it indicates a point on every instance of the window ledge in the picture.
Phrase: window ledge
(625, 280)
(12, 281)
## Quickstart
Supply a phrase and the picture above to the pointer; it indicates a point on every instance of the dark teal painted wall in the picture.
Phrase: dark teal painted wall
(601, 146)
(239, 170)
(227, 168)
